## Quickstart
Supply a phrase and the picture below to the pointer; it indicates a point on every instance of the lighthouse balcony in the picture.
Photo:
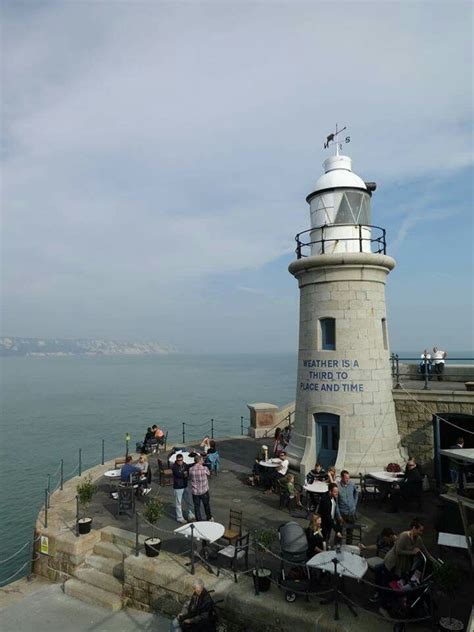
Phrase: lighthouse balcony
(341, 238)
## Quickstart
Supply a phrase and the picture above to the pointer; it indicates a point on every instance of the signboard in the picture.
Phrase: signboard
(44, 545)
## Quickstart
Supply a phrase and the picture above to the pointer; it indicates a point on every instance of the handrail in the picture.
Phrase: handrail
(380, 239)
(287, 418)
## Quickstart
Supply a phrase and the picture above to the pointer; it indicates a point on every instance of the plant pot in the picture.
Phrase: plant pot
(262, 580)
(84, 525)
(152, 547)
(451, 624)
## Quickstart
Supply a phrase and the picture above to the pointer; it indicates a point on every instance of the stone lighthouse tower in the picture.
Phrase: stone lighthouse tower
(344, 414)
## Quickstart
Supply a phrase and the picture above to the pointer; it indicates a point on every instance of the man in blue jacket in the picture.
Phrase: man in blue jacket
(347, 501)
(128, 469)
(181, 489)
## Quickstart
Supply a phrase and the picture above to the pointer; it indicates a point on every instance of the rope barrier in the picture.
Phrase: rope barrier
(206, 423)
(7, 580)
(7, 559)
(431, 413)
(73, 472)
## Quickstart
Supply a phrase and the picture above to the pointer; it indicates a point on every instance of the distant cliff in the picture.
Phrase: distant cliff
(14, 346)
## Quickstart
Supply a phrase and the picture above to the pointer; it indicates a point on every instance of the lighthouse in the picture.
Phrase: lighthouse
(344, 413)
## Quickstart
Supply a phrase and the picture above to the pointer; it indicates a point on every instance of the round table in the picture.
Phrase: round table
(348, 564)
(317, 487)
(271, 463)
(188, 460)
(112, 474)
(203, 530)
(385, 477)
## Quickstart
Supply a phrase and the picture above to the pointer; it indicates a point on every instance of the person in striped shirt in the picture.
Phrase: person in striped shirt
(198, 477)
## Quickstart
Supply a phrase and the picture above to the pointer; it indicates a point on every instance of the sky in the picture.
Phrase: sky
(156, 157)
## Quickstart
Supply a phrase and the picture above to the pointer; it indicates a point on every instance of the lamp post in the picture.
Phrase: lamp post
(127, 441)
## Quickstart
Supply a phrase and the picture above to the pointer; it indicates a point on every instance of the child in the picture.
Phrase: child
(290, 488)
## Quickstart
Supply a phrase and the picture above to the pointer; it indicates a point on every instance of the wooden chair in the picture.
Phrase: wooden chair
(234, 529)
(236, 552)
(165, 474)
(369, 488)
(355, 533)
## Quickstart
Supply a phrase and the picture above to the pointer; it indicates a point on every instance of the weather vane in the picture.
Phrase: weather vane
(333, 138)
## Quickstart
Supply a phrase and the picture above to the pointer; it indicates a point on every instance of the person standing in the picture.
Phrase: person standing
(438, 362)
(425, 364)
(402, 556)
(198, 477)
(347, 501)
(330, 514)
(181, 489)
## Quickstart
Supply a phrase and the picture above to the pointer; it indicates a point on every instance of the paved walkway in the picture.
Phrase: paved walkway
(48, 609)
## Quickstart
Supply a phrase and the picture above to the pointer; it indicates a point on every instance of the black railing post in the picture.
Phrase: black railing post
(397, 371)
(241, 425)
(192, 549)
(77, 516)
(426, 376)
(49, 489)
(61, 484)
(255, 578)
(80, 461)
(360, 238)
(45, 508)
(184, 437)
(384, 241)
(136, 534)
(336, 590)
(392, 364)
(212, 428)
(103, 451)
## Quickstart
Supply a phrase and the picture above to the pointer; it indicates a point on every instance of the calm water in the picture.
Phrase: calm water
(51, 407)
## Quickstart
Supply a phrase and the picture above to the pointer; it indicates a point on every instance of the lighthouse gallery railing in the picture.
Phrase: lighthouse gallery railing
(378, 244)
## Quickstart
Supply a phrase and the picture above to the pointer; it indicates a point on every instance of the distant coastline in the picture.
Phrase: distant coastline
(15, 346)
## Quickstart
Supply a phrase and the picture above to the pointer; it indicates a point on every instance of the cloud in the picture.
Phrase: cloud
(150, 146)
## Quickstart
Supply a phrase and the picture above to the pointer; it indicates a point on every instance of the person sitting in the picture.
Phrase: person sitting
(385, 540)
(290, 490)
(197, 613)
(314, 535)
(129, 470)
(318, 473)
(329, 512)
(331, 474)
(254, 478)
(205, 444)
(145, 476)
(286, 435)
(159, 434)
(212, 447)
(409, 488)
(212, 460)
(280, 472)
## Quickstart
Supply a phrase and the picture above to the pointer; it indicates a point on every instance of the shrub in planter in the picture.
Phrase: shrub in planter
(85, 491)
(264, 538)
(448, 580)
(152, 513)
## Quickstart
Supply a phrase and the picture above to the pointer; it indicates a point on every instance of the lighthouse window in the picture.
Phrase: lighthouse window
(384, 333)
(328, 334)
(354, 208)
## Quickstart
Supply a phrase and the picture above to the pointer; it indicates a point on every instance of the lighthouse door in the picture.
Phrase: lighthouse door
(327, 438)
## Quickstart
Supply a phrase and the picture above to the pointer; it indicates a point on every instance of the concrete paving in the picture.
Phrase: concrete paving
(48, 609)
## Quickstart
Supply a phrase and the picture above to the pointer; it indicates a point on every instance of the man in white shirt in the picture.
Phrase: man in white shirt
(280, 472)
(438, 362)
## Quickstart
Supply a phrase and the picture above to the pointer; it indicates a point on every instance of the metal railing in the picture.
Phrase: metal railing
(377, 244)
(428, 370)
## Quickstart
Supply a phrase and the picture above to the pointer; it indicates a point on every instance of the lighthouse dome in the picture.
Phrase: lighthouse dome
(338, 174)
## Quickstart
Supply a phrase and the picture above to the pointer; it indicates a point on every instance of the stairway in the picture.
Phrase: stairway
(99, 580)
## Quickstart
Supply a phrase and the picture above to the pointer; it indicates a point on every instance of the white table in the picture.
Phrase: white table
(271, 463)
(188, 460)
(317, 487)
(203, 530)
(112, 475)
(348, 564)
(453, 540)
(386, 477)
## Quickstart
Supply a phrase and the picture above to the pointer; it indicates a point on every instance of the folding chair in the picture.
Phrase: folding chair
(236, 552)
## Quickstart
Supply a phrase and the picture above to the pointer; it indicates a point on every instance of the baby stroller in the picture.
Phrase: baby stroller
(294, 575)
(410, 598)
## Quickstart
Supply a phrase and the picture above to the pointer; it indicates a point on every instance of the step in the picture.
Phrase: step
(92, 594)
(95, 578)
(111, 550)
(106, 565)
(121, 536)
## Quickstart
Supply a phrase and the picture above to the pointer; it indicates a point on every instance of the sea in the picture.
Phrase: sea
(53, 406)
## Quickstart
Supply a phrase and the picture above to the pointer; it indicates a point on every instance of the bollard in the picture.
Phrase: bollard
(45, 508)
(80, 461)
(77, 516)
(241, 425)
(212, 428)
(62, 475)
(192, 548)
(336, 592)
(103, 451)
(136, 534)
(49, 490)
(184, 438)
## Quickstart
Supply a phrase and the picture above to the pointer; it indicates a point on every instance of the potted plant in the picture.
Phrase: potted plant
(262, 576)
(152, 513)
(448, 580)
(85, 491)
